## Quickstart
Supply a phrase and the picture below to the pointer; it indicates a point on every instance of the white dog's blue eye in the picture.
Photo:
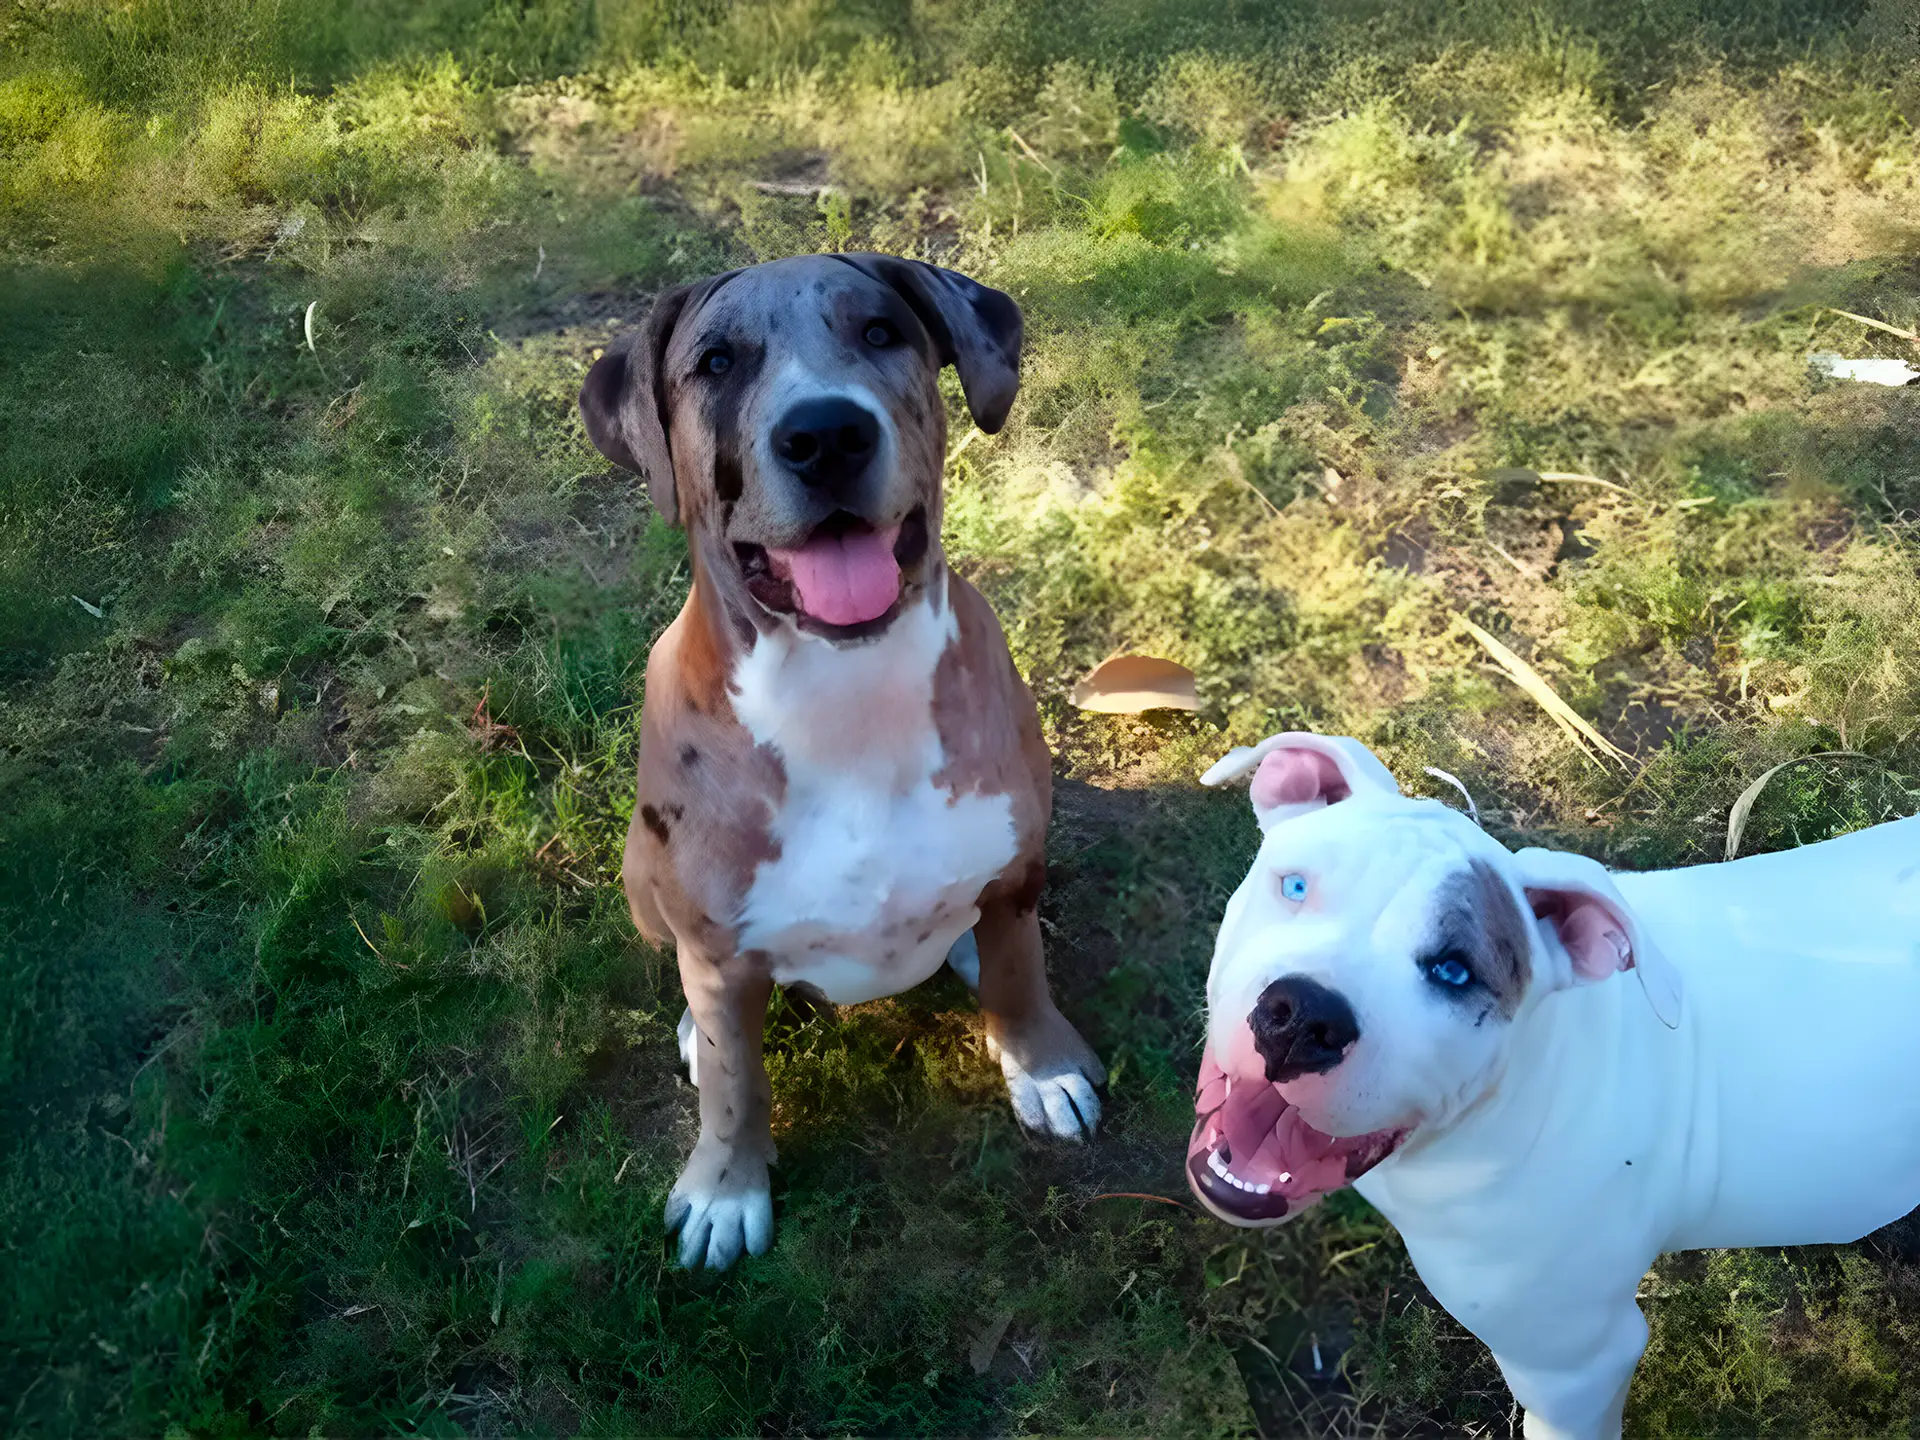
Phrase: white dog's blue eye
(1294, 887)
(1450, 971)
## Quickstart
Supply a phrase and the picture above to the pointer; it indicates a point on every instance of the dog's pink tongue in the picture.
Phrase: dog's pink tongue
(844, 579)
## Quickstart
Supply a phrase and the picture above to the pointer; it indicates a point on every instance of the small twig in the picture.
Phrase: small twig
(1543, 695)
(1912, 337)
(172, 1040)
(373, 947)
(1031, 153)
(789, 187)
(1570, 477)
(973, 433)
(1473, 810)
(312, 349)
(1264, 499)
(1523, 569)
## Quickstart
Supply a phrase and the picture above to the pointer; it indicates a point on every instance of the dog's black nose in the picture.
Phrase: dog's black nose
(1301, 1028)
(827, 442)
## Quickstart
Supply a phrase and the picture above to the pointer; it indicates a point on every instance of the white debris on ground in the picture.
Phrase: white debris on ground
(1871, 371)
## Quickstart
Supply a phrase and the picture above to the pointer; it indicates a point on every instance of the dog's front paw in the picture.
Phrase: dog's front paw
(1051, 1074)
(721, 1206)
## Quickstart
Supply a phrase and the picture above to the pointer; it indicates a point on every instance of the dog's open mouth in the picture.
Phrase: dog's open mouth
(845, 576)
(1252, 1159)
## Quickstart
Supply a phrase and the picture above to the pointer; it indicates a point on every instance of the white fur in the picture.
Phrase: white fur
(717, 1227)
(687, 1033)
(1551, 1163)
(872, 853)
(1057, 1099)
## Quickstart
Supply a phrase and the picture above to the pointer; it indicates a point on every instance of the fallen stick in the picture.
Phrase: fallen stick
(1543, 695)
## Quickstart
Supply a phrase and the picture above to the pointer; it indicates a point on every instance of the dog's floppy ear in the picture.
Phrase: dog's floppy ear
(1296, 772)
(975, 329)
(623, 399)
(1576, 898)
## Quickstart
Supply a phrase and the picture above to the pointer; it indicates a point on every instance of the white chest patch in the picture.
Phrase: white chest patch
(878, 869)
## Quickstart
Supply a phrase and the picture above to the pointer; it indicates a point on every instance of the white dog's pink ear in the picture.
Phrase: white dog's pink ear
(1577, 898)
(1297, 772)
(1297, 777)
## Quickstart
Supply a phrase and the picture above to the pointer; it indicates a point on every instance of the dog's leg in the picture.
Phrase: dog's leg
(722, 1204)
(688, 1035)
(1051, 1072)
(1587, 1401)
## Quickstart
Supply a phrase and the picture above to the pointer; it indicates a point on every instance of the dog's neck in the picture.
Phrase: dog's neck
(860, 713)
(1562, 1076)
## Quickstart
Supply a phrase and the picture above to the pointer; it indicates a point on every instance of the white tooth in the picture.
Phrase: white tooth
(1215, 1164)
(1285, 1176)
(1262, 1189)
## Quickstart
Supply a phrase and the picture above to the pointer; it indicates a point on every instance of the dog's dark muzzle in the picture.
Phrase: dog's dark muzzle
(828, 445)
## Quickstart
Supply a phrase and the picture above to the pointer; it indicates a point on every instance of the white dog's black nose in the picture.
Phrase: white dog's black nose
(1301, 1028)
(827, 443)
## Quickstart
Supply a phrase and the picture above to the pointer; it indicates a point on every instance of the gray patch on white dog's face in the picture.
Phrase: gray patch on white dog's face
(1480, 921)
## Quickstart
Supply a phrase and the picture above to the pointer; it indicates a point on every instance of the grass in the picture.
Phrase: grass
(305, 959)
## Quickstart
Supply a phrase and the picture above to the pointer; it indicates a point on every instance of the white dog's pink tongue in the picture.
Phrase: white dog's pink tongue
(844, 579)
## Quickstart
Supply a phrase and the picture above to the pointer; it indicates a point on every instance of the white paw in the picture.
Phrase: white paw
(964, 958)
(689, 1047)
(1054, 1099)
(717, 1226)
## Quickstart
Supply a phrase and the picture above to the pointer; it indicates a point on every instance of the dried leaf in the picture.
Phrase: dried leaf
(1743, 807)
(986, 1344)
(1129, 684)
(1542, 694)
(491, 734)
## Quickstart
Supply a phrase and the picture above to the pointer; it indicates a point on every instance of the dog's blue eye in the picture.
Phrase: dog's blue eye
(1450, 971)
(1294, 887)
(716, 362)
(879, 334)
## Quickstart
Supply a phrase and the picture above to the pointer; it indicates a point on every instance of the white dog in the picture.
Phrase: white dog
(1398, 1000)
